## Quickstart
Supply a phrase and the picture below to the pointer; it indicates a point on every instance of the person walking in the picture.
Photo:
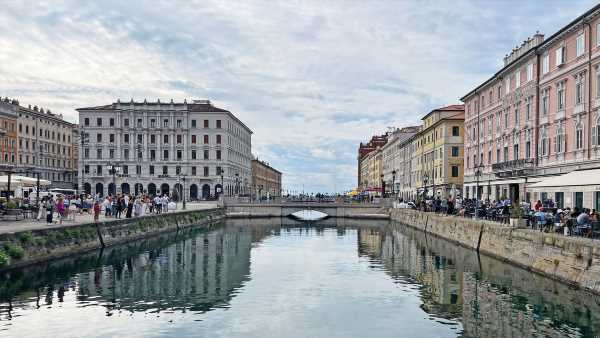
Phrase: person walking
(129, 208)
(96, 211)
(41, 208)
(60, 209)
(49, 206)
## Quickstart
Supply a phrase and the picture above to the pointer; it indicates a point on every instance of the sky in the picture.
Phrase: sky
(312, 79)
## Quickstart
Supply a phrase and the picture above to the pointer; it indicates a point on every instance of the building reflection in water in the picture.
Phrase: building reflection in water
(489, 298)
(196, 274)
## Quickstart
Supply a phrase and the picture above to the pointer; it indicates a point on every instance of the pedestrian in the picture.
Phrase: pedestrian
(138, 208)
(41, 208)
(96, 211)
(129, 209)
(60, 209)
(49, 206)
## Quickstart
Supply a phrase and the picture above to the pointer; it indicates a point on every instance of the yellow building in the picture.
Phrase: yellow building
(440, 148)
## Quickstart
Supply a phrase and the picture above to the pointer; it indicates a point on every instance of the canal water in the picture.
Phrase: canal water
(266, 279)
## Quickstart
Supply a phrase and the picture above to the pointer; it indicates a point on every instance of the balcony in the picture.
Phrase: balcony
(513, 168)
(560, 115)
(579, 109)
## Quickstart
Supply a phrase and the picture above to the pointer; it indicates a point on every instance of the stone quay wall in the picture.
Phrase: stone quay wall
(29, 247)
(572, 260)
(258, 210)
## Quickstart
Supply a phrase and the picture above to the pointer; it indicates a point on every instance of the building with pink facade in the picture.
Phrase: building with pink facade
(538, 118)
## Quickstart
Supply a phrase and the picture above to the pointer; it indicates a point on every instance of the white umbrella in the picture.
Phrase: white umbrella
(23, 181)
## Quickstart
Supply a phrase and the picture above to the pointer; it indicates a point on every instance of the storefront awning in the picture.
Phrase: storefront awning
(583, 180)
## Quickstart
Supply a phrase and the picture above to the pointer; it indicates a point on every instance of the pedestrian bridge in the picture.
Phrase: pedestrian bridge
(251, 210)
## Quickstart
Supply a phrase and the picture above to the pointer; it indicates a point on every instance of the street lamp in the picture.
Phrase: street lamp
(237, 180)
(181, 192)
(84, 138)
(382, 186)
(114, 168)
(425, 179)
(393, 182)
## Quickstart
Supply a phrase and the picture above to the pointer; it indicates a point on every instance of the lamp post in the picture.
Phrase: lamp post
(425, 179)
(394, 182)
(477, 174)
(237, 180)
(114, 168)
(83, 136)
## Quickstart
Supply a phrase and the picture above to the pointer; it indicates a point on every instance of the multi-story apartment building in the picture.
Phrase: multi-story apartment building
(395, 159)
(265, 179)
(194, 149)
(372, 172)
(537, 117)
(442, 150)
(46, 146)
(364, 149)
(8, 134)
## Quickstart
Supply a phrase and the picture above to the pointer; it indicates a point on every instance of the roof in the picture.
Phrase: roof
(542, 45)
(453, 107)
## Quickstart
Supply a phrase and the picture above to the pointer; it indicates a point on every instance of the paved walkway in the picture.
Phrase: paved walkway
(31, 224)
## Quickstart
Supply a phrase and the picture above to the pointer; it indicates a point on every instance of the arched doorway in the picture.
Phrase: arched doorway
(205, 191)
(218, 190)
(177, 192)
(125, 188)
(164, 189)
(100, 189)
(152, 189)
(111, 189)
(138, 188)
(87, 188)
(193, 192)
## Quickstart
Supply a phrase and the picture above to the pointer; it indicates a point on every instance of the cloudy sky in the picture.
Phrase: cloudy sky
(311, 78)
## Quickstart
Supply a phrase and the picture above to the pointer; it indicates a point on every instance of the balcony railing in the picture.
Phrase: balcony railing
(513, 165)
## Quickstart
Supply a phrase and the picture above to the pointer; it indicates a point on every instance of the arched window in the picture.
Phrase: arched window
(596, 131)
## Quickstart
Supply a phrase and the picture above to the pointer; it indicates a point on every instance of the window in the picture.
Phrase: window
(579, 90)
(218, 123)
(517, 115)
(545, 142)
(177, 170)
(559, 145)
(138, 169)
(529, 72)
(179, 124)
(454, 171)
(499, 92)
(596, 133)
(111, 153)
(86, 122)
(528, 108)
(166, 123)
(139, 123)
(218, 139)
(179, 155)
(193, 171)
(580, 45)
(98, 153)
(560, 93)
(218, 154)
(498, 155)
(506, 119)
(219, 171)
(139, 155)
(151, 170)
(561, 54)
(152, 123)
(99, 170)
(165, 155)
(165, 139)
(205, 123)
(598, 82)
(206, 154)
(455, 131)
(579, 136)
(598, 34)
(126, 122)
(193, 123)
(99, 138)
(179, 139)
(205, 171)
(152, 155)
(454, 151)
(86, 153)
(545, 94)
(126, 154)
(505, 154)
(193, 154)
(516, 151)
(205, 139)
(165, 170)
(111, 122)
(126, 138)
(518, 78)
(507, 85)
(125, 170)
(99, 122)
(528, 149)
(86, 169)
(139, 138)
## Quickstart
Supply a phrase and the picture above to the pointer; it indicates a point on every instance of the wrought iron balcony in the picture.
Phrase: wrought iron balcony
(518, 167)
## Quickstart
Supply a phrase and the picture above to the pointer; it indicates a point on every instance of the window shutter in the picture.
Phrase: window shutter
(594, 135)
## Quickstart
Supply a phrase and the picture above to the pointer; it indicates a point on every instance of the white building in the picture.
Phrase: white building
(192, 148)
(397, 161)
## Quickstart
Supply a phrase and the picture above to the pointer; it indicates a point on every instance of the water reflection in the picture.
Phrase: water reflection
(263, 278)
(490, 298)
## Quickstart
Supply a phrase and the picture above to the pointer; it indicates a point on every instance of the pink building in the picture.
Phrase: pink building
(537, 118)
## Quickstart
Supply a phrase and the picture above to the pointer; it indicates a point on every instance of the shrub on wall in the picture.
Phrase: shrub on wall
(14, 250)
(4, 259)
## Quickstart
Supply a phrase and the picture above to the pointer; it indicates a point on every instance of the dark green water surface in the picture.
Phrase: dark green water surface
(262, 279)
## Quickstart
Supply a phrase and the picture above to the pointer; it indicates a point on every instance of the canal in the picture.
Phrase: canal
(265, 279)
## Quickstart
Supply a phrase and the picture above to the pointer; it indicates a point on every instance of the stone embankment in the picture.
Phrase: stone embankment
(27, 247)
(265, 210)
(572, 260)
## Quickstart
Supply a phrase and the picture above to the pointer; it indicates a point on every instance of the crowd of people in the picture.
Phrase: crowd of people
(59, 208)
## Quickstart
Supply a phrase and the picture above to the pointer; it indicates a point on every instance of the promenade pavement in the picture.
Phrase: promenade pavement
(28, 224)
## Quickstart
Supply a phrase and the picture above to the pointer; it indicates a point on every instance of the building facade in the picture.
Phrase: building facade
(442, 151)
(8, 133)
(537, 117)
(186, 149)
(396, 168)
(365, 149)
(265, 179)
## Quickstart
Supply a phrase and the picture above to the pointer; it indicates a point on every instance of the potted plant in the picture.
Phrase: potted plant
(516, 216)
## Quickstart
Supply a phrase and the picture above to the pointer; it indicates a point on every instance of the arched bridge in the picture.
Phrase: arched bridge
(241, 210)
